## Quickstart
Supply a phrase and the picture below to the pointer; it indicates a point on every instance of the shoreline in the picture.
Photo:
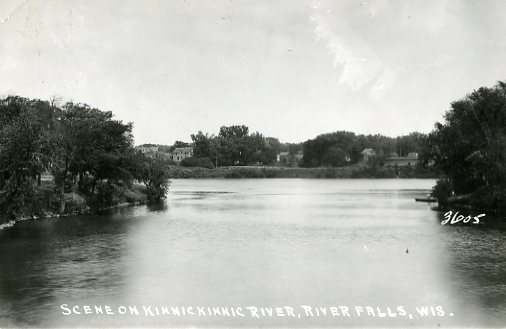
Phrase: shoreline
(179, 172)
(51, 215)
(48, 215)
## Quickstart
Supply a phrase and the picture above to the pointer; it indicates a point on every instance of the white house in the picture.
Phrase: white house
(367, 154)
(181, 153)
(396, 161)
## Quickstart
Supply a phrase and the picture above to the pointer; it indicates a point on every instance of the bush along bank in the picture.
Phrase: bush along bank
(47, 205)
(481, 200)
(280, 172)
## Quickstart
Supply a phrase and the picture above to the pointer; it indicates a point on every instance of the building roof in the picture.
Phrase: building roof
(368, 151)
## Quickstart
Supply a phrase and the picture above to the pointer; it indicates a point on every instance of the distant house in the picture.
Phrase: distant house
(181, 153)
(283, 157)
(367, 154)
(396, 161)
(46, 176)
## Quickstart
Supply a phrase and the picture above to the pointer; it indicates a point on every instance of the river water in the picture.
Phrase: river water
(261, 243)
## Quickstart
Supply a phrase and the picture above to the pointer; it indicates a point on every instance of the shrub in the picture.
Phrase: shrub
(330, 173)
(156, 179)
(233, 174)
(442, 191)
(197, 162)
(245, 173)
(108, 194)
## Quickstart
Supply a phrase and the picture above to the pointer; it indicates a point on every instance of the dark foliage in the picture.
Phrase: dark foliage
(197, 162)
(343, 148)
(234, 145)
(86, 150)
(469, 147)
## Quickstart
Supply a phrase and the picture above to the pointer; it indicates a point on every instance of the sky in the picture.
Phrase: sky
(288, 69)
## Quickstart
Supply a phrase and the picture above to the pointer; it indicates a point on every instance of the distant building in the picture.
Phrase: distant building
(396, 161)
(47, 176)
(283, 157)
(367, 154)
(288, 159)
(298, 156)
(181, 153)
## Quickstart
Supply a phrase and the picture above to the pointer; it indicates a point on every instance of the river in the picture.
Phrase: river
(261, 243)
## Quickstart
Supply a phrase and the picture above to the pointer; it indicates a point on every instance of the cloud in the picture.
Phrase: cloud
(383, 82)
(360, 65)
(17, 6)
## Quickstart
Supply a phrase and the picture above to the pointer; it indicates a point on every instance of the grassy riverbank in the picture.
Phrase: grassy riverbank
(280, 172)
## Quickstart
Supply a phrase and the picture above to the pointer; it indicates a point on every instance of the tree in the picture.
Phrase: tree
(334, 157)
(21, 153)
(269, 150)
(202, 145)
(318, 152)
(155, 176)
(178, 144)
(326, 149)
(413, 142)
(87, 143)
(85, 149)
(234, 132)
(470, 145)
(234, 146)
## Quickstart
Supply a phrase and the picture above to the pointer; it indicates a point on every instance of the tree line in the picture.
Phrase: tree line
(234, 145)
(343, 148)
(89, 152)
(85, 149)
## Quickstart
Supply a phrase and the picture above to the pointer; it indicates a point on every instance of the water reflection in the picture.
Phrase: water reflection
(68, 258)
(476, 268)
(157, 206)
(257, 242)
